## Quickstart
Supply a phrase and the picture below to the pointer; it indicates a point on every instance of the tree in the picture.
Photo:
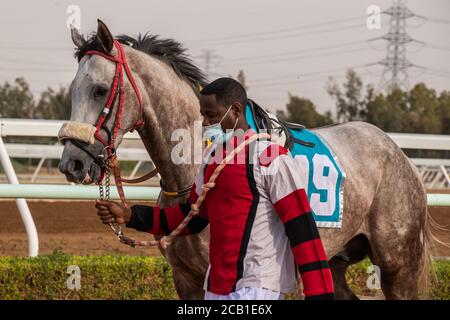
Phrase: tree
(242, 79)
(350, 101)
(54, 104)
(444, 111)
(385, 112)
(422, 114)
(303, 111)
(419, 110)
(16, 100)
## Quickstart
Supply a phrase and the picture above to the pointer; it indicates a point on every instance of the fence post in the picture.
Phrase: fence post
(33, 242)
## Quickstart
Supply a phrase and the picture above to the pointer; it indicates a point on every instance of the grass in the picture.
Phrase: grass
(133, 277)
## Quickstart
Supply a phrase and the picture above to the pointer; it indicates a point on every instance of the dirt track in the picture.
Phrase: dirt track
(73, 227)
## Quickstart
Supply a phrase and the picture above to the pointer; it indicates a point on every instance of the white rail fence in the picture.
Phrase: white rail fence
(44, 152)
(434, 172)
(435, 169)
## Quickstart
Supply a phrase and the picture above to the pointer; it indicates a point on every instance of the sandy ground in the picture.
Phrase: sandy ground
(70, 226)
(73, 227)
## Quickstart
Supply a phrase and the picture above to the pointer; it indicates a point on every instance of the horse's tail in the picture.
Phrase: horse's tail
(428, 272)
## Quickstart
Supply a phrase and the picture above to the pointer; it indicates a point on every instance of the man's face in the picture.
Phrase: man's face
(213, 112)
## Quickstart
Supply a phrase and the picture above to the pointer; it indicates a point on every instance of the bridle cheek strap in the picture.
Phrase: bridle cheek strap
(117, 87)
(87, 133)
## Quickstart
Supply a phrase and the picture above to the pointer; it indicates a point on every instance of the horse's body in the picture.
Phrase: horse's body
(385, 217)
(385, 212)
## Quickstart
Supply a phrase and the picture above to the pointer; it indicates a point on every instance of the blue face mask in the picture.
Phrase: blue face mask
(215, 133)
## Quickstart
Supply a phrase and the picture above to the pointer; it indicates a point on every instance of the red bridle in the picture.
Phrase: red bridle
(116, 87)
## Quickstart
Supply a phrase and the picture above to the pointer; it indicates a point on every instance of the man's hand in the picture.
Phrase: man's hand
(110, 211)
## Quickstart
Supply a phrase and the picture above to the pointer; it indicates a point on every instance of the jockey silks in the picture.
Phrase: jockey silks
(261, 227)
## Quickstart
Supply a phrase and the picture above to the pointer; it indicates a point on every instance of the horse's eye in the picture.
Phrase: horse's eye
(100, 92)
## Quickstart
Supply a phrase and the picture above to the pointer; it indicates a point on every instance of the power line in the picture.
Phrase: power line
(436, 72)
(438, 20)
(41, 63)
(36, 70)
(447, 76)
(276, 84)
(282, 54)
(307, 74)
(313, 79)
(36, 48)
(31, 80)
(326, 54)
(438, 47)
(209, 58)
(256, 34)
(294, 35)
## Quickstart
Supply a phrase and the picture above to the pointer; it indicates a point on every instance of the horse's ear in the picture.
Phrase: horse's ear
(104, 36)
(77, 37)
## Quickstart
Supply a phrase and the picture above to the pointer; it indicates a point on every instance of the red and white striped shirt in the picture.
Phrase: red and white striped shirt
(261, 227)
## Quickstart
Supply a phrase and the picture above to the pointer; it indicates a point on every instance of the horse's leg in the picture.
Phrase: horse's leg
(397, 224)
(354, 251)
(188, 257)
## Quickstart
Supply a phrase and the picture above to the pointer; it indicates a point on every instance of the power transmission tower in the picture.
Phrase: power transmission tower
(209, 59)
(396, 65)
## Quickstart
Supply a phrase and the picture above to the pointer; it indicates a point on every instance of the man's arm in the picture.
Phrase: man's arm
(154, 220)
(159, 221)
(291, 203)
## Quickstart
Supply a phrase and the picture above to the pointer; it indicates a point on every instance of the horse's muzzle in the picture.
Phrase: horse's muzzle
(78, 166)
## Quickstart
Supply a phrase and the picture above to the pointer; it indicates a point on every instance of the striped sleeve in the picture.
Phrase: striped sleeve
(290, 201)
(160, 221)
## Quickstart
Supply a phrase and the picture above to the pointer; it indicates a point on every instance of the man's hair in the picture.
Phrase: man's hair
(227, 91)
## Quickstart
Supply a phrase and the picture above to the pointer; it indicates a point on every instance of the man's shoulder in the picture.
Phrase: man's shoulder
(266, 151)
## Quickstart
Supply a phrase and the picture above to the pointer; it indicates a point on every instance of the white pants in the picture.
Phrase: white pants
(247, 293)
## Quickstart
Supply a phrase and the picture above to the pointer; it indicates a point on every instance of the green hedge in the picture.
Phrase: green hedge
(439, 288)
(102, 277)
(130, 277)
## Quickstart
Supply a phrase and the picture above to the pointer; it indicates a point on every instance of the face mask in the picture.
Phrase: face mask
(215, 133)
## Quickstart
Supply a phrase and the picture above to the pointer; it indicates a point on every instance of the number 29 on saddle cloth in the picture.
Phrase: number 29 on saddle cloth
(322, 175)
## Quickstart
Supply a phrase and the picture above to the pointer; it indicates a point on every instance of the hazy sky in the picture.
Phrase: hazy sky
(282, 46)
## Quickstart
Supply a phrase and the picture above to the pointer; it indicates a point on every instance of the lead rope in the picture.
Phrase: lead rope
(105, 194)
(165, 241)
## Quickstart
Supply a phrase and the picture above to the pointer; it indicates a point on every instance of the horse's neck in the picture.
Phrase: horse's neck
(169, 103)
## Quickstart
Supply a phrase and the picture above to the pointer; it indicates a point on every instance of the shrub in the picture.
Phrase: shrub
(102, 277)
(133, 277)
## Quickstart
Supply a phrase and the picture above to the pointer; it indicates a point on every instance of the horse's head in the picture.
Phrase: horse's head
(96, 130)
(160, 86)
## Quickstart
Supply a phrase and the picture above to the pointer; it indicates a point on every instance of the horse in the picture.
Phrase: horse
(385, 206)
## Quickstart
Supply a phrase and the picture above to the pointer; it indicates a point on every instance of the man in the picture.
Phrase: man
(261, 226)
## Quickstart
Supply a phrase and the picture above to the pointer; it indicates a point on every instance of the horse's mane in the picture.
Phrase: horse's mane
(167, 50)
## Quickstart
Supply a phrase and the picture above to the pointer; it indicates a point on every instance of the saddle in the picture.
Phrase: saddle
(276, 127)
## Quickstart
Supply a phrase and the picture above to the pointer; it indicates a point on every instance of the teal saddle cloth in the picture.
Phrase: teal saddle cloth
(321, 172)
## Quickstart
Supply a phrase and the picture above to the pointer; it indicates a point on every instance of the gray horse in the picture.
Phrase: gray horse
(385, 215)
